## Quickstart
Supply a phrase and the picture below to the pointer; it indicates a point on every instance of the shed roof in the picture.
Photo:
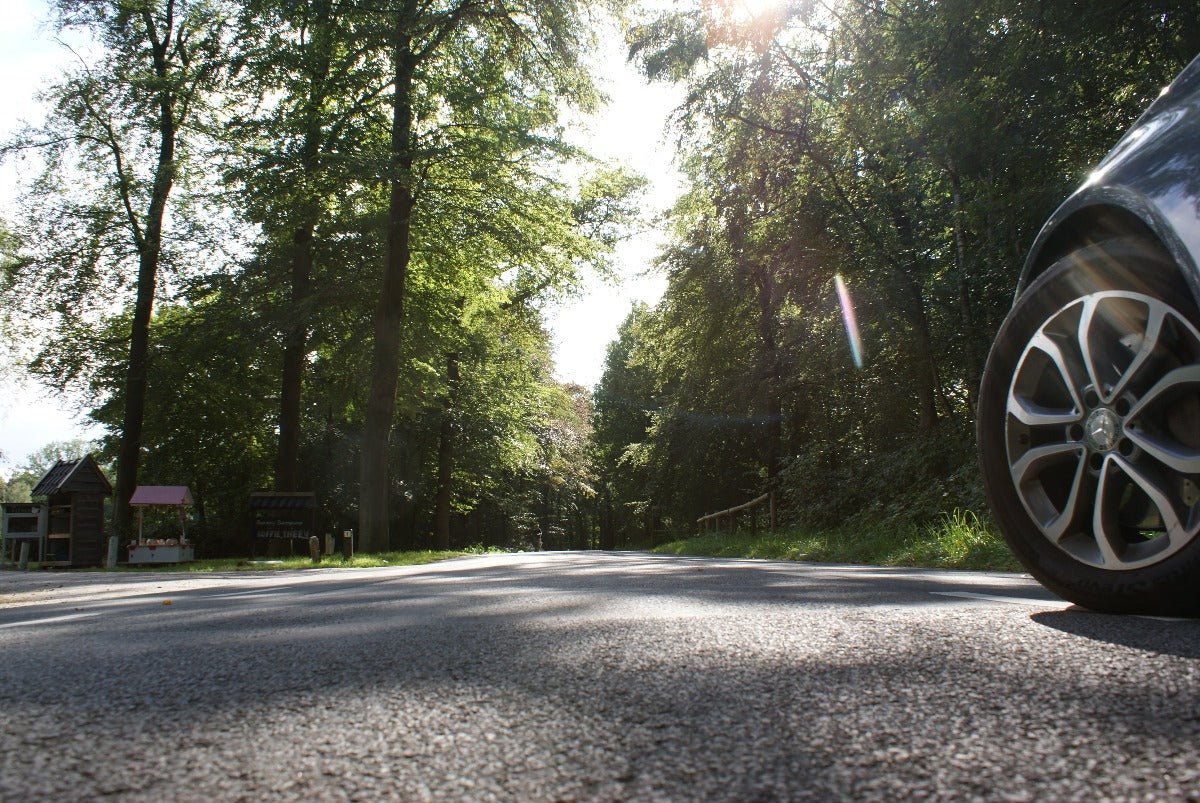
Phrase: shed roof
(73, 476)
(161, 495)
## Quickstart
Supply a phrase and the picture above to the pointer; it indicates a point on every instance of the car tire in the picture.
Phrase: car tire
(1089, 431)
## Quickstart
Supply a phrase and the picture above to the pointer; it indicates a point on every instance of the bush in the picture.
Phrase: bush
(918, 481)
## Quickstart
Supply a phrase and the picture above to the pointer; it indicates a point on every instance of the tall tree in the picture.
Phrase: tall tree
(526, 49)
(312, 89)
(114, 144)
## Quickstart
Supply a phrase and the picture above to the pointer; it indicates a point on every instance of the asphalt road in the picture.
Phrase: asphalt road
(588, 676)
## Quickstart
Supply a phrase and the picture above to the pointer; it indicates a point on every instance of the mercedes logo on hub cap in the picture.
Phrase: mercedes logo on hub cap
(1102, 429)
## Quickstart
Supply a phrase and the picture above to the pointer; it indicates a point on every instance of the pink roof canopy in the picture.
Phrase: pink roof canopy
(161, 495)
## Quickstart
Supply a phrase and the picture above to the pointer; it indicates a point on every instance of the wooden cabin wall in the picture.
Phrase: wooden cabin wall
(87, 529)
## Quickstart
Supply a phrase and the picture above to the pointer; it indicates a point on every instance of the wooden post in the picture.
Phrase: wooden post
(348, 544)
(771, 506)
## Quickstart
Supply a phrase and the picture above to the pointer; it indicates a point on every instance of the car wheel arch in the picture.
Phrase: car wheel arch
(1091, 223)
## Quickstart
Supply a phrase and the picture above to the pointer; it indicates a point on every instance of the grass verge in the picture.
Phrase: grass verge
(960, 540)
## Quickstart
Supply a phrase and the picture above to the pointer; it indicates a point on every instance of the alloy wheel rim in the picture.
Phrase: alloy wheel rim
(1102, 430)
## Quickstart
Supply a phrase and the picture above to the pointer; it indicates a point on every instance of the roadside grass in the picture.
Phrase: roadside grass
(293, 562)
(959, 540)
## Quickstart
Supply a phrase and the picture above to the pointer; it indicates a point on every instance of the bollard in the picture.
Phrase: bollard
(314, 548)
(328, 543)
(348, 544)
(111, 563)
(23, 565)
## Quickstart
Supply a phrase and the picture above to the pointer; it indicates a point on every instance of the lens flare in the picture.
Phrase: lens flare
(850, 320)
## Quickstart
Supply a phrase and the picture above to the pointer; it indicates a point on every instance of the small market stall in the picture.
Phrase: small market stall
(162, 550)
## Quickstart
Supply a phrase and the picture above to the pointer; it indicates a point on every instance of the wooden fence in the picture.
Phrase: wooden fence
(730, 514)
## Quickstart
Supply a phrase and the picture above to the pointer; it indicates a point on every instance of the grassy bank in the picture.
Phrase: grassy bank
(959, 541)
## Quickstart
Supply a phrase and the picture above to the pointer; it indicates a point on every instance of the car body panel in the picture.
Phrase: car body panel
(1152, 174)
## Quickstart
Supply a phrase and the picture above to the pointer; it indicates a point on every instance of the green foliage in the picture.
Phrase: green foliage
(670, 46)
(911, 148)
(960, 540)
(15, 489)
(828, 482)
(95, 209)
(285, 170)
(210, 426)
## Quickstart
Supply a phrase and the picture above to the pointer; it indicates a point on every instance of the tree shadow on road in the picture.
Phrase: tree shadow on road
(634, 677)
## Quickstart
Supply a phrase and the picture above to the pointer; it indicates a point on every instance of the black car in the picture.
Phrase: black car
(1089, 411)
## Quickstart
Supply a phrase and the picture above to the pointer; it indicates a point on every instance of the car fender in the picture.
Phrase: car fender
(1148, 183)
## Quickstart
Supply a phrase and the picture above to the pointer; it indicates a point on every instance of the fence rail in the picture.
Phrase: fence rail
(730, 514)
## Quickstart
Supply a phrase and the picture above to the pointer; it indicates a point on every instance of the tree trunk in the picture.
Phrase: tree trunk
(294, 354)
(385, 369)
(922, 359)
(582, 537)
(543, 530)
(924, 364)
(445, 489)
(296, 339)
(201, 508)
(770, 375)
(130, 448)
(974, 367)
(149, 245)
(606, 521)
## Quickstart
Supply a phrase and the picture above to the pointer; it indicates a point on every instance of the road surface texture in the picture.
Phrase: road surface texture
(588, 676)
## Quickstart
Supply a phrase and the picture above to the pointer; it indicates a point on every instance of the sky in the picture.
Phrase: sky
(631, 130)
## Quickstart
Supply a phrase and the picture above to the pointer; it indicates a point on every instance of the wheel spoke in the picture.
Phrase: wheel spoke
(1104, 521)
(1032, 414)
(1052, 521)
(1045, 344)
(1056, 527)
(1086, 318)
(1171, 454)
(1042, 456)
(1156, 314)
(1159, 497)
(1180, 377)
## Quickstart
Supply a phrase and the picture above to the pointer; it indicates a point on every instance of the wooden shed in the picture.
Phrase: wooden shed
(75, 491)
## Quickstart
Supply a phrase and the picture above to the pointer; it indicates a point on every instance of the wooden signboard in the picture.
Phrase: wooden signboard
(288, 516)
